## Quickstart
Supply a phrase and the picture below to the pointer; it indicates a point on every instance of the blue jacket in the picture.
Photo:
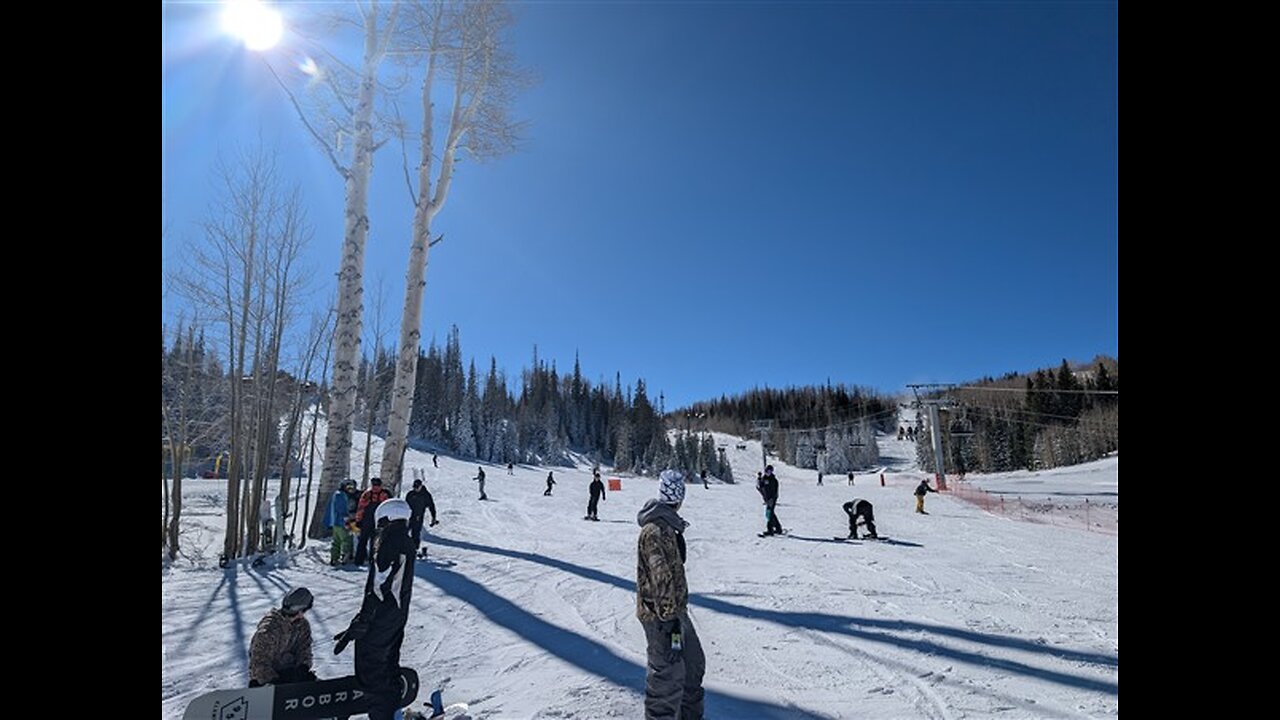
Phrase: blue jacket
(337, 513)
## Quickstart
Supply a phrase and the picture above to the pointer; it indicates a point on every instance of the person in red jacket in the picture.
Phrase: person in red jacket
(369, 501)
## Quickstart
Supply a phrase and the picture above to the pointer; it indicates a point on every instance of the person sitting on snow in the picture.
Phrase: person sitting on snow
(280, 651)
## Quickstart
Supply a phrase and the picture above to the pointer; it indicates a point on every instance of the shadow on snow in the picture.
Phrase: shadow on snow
(871, 629)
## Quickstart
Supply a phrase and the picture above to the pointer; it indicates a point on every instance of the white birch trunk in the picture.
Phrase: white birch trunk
(342, 393)
(426, 207)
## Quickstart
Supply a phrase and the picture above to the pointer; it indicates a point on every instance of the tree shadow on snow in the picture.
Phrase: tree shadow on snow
(870, 629)
(238, 647)
(588, 654)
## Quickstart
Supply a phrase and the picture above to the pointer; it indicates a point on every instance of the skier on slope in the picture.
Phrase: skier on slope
(921, 490)
(280, 651)
(420, 501)
(550, 481)
(676, 662)
(769, 490)
(378, 629)
(859, 508)
(597, 493)
(480, 478)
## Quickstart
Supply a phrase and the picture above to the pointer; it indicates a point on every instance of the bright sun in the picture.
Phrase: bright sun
(256, 24)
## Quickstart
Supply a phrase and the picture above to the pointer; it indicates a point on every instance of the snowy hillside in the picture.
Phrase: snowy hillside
(524, 610)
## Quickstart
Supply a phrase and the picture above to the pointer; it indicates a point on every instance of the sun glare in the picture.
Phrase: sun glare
(256, 24)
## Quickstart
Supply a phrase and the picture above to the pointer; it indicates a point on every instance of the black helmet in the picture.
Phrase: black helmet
(297, 600)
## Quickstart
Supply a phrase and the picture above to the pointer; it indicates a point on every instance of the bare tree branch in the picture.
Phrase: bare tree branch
(404, 155)
(303, 117)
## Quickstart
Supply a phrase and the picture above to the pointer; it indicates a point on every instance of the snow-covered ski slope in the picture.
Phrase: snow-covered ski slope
(524, 610)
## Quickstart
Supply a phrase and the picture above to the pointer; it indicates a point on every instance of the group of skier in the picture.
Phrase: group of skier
(390, 531)
(859, 510)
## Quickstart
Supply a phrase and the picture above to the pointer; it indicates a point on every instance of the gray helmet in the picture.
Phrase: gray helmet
(297, 600)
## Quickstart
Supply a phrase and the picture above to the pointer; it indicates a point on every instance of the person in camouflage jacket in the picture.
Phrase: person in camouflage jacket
(676, 663)
(280, 651)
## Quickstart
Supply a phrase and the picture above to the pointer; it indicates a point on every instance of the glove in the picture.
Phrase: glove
(254, 683)
(358, 628)
(675, 649)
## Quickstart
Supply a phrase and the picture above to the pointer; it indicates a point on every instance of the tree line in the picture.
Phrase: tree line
(829, 428)
(1048, 418)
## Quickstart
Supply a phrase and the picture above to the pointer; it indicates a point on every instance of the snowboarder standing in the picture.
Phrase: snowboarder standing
(769, 490)
(597, 494)
(336, 518)
(511, 468)
(819, 477)
(420, 501)
(369, 501)
(378, 629)
(850, 478)
(921, 490)
(676, 663)
(280, 651)
(705, 485)
(480, 478)
(859, 508)
(550, 481)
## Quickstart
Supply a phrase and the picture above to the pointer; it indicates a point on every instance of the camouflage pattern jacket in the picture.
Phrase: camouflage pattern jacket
(279, 644)
(661, 590)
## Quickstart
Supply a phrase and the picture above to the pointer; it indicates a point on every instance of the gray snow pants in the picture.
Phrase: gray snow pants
(673, 690)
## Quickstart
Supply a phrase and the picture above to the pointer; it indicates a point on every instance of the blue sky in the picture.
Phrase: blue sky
(716, 196)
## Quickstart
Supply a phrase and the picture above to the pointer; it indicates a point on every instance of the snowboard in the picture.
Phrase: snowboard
(319, 700)
(784, 532)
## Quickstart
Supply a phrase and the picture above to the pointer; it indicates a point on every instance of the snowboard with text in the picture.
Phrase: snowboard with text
(333, 698)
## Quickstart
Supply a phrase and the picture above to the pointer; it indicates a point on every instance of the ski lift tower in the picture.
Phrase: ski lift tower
(763, 427)
(935, 429)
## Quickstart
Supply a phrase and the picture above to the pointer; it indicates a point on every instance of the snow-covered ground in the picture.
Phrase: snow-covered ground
(1099, 481)
(524, 610)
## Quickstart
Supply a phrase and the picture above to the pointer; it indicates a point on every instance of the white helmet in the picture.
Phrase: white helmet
(391, 510)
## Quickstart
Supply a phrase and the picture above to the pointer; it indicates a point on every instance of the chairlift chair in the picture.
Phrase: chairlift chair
(961, 427)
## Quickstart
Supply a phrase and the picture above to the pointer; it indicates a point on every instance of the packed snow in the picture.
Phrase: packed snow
(525, 610)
